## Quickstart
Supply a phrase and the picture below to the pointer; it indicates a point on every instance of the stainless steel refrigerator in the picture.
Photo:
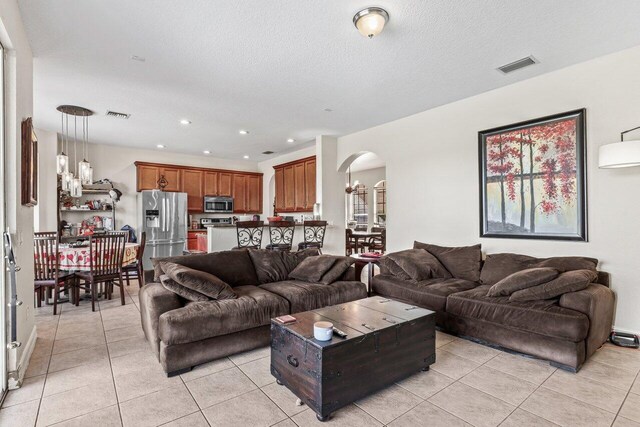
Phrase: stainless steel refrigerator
(163, 216)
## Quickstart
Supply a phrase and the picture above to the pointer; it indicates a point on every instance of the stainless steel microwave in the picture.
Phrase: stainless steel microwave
(218, 204)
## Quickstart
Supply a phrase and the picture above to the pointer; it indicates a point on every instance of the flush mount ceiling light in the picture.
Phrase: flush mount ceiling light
(371, 21)
(243, 132)
(621, 154)
(185, 122)
(160, 146)
(207, 152)
(291, 140)
(245, 157)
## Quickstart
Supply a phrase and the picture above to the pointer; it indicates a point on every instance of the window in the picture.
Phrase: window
(359, 205)
(380, 203)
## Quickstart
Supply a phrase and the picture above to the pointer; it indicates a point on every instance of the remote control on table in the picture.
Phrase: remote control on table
(339, 333)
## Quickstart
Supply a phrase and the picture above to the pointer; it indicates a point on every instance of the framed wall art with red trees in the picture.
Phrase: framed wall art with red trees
(533, 179)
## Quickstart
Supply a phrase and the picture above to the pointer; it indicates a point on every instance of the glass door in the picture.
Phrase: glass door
(3, 277)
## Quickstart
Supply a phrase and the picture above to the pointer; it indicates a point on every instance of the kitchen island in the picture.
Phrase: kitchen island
(222, 237)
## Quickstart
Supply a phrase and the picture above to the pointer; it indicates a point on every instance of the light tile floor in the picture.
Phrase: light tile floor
(96, 369)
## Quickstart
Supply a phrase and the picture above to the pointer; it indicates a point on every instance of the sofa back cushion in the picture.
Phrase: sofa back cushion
(419, 264)
(199, 281)
(324, 269)
(389, 267)
(570, 281)
(275, 266)
(463, 262)
(498, 266)
(232, 267)
(522, 280)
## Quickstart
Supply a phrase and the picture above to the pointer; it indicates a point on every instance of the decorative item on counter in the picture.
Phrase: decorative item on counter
(316, 211)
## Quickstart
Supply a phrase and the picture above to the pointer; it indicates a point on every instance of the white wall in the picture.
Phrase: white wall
(19, 105)
(116, 163)
(369, 177)
(432, 160)
(268, 180)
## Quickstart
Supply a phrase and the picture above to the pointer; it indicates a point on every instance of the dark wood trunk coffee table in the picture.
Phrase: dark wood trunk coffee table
(387, 341)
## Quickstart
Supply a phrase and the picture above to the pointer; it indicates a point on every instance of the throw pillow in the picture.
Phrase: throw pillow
(338, 269)
(498, 266)
(463, 262)
(186, 293)
(388, 266)
(199, 281)
(522, 280)
(275, 266)
(419, 264)
(570, 281)
(312, 269)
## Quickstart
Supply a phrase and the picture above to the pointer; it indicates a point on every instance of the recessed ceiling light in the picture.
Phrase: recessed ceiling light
(243, 132)
(138, 58)
(207, 152)
(160, 146)
(185, 122)
(245, 157)
(291, 140)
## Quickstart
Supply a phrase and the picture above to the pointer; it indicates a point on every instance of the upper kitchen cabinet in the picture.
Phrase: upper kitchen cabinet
(295, 184)
(192, 184)
(244, 187)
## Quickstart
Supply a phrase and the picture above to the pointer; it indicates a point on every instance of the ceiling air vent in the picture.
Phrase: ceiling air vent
(267, 152)
(516, 65)
(118, 115)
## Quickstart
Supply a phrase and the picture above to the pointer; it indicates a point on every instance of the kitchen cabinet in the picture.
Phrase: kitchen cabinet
(194, 243)
(310, 183)
(147, 177)
(211, 183)
(295, 184)
(239, 193)
(173, 176)
(254, 193)
(279, 178)
(192, 184)
(225, 184)
(244, 187)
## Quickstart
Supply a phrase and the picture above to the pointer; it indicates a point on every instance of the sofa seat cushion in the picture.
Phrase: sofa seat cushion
(305, 296)
(542, 317)
(201, 320)
(431, 293)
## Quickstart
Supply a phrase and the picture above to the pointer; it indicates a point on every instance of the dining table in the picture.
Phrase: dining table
(362, 236)
(77, 258)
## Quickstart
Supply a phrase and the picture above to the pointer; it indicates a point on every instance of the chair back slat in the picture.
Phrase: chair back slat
(106, 253)
(281, 232)
(249, 234)
(314, 231)
(45, 257)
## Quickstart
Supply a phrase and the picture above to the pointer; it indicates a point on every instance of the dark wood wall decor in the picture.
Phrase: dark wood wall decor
(29, 164)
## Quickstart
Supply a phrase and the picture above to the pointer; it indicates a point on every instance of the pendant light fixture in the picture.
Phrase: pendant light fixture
(371, 21)
(62, 160)
(621, 154)
(73, 181)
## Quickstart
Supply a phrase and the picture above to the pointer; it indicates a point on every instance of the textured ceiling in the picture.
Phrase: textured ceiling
(274, 67)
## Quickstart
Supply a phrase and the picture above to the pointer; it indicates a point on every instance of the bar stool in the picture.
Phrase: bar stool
(281, 235)
(249, 234)
(313, 235)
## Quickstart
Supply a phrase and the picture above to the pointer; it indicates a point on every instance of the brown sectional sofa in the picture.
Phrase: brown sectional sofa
(184, 334)
(565, 330)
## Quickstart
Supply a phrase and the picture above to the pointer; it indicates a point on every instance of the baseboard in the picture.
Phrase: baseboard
(626, 331)
(15, 378)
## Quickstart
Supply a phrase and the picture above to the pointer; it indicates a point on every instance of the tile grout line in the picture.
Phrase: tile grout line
(194, 400)
(625, 398)
(47, 371)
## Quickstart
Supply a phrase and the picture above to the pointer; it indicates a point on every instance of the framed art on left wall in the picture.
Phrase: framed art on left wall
(533, 179)
(29, 164)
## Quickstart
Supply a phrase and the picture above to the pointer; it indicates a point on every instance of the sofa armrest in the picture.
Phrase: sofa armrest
(597, 302)
(154, 301)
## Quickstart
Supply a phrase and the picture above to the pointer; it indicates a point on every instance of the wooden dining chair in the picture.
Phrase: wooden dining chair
(105, 265)
(249, 234)
(377, 243)
(313, 235)
(47, 274)
(281, 235)
(45, 234)
(135, 269)
(351, 244)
